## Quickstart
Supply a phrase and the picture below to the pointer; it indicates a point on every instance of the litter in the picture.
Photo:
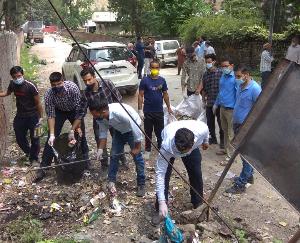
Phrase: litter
(55, 207)
(229, 174)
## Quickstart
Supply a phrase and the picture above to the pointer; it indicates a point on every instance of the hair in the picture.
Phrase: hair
(208, 43)
(98, 104)
(243, 69)
(55, 77)
(195, 43)
(86, 71)
(155, 61)
(203, 38)
(184, 139)
(212, 56)
(227, 59)
(296, 38)
(190, 50)
(16, 69)
(139, 38)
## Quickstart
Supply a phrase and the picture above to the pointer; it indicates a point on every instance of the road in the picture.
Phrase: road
(259, 211)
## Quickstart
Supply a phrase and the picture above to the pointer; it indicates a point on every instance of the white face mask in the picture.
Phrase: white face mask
(19, 81)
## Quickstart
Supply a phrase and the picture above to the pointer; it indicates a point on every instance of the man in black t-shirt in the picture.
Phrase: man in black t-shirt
(29, 112)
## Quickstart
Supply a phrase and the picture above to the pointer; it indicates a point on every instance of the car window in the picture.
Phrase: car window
(171, 45)
(158, 47)
(111, 53)
(73, 55)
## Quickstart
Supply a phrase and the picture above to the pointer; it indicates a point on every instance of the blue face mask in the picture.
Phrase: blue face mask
(209, 65)
(239, 81)
(19, 81)
(226, 70)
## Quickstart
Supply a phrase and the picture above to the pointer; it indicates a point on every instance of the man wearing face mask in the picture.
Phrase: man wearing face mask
(29, 113)
(192, 73)
(152, 91)
(62, 102)
(293, 53)
(181, 139)
(247, 93)
(226, 100)
(265, 63)
(210, 91)
(96, 88)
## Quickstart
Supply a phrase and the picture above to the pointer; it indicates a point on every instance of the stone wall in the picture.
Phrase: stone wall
(9, 56)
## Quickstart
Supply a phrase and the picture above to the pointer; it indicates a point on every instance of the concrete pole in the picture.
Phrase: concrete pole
(272, 21)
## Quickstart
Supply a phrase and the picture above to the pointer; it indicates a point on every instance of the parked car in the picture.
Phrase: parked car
(111, 59)
(166, 51)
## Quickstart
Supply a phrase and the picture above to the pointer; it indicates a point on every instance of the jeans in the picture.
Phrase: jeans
(118, 142)
(192, 164)
(21, 127)
(140, 66)
(211, 124)
(264, 78)
(153, 120)
(247, 170)
(61, 117)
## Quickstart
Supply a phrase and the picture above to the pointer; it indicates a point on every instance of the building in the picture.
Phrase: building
(106, 22)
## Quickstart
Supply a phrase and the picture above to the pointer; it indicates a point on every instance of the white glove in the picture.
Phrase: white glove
(215, 107)
(163, 209)
(51, 140)
(71, 135)
(99, 154)
(141, 114)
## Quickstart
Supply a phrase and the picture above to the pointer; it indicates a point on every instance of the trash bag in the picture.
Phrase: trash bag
(168, 118)
(72, 173)
(191, 107)
(171, 231)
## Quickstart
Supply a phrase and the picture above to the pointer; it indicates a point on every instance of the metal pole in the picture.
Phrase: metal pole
(272, 21)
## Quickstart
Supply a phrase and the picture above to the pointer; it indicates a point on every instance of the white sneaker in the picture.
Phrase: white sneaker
(112, 188)
(147, 155)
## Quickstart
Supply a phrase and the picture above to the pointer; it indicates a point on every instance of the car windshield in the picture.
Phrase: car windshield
(110, 54)
(170, 45)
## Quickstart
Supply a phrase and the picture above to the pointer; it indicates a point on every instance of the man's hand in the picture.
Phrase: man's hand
(99, 154)
(205, 146)
(141, 114)
(135, 151)
(170, 110)
(197, 92)
(39, 122)
(51, 140)
(163, 209)
(215, 107)
(71, 135)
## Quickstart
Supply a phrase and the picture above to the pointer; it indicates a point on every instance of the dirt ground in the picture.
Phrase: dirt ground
(261, 212)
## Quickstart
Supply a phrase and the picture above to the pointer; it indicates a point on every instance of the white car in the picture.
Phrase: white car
(166, 51)
(112, 60)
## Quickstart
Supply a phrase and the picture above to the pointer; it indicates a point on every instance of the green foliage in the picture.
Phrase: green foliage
(241, 235)
(30, 64)
(25, 230)
(243, 9)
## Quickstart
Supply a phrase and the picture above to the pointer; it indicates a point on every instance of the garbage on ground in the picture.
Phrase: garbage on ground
(21, 183)
(282, 223)
(229, 174)
(55, 207)
(95, 201)
(7, 181)
(7, 172)
(116, 207)
(170, 231)
(88, 219)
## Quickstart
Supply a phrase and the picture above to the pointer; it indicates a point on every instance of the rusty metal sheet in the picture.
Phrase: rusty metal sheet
(270, 136)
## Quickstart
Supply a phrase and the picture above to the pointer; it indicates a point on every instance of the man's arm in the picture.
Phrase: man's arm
(167, 101)
(201, 73)
(102, 143)
(38, 104)
(140, 99)
(4, 94)
(51, 124)
(81, 113)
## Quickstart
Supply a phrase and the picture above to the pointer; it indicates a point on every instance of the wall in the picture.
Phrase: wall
(9, 56)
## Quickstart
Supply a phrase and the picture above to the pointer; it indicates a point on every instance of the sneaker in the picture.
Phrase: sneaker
(34, 163)
(140, 191)
(235, 189)
(112, 188)
(213, 141)
(197, 205)
(221, 152)
(250, 180)
(222, 146)
(147, 155)
(156, 219)
(40, 174)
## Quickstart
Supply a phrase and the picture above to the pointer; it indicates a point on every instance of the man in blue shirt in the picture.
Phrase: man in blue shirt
(140, 50)
(247, 93)
(226, 100)
(152, 91)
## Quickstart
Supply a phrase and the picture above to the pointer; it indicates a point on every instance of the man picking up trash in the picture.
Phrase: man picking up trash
(181, 139)
(125, 131)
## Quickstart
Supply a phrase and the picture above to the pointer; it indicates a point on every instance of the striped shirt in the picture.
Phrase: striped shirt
(68, 101)
(265, 61)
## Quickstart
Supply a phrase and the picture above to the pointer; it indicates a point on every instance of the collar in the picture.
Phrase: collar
(248, 86)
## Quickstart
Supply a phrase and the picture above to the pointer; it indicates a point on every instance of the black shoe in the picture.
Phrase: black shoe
(213, 141)
(196, 205)
(222, 146)
(250, 180)
(40, 174)
(140, 191)
(235, 189)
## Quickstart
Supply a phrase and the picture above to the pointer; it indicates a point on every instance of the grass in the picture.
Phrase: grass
(30, 64)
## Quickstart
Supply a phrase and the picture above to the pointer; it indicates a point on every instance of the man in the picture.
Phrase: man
(266, 60)
(193, 68)
(226, 100)
(62, 102)
(140, 50)
(293, 53)
(96, 88)
(181, 139)
(200, 51)
(29, 113)
(149, 56)
(152, 91)
(125, 131)
(247, 94)
(211, 79)
(209, 49)
(180, 58)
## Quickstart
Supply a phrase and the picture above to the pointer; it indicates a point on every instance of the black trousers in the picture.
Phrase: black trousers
(61, 117)
(21, 126)
(264, 78)
(192, 164)
(140, 66)
(211, 124)
(153, 120)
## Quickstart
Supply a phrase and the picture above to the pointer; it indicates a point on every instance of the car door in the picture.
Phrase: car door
(68, 66)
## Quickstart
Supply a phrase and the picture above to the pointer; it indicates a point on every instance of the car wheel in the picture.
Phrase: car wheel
(131, 91)
(162, 64)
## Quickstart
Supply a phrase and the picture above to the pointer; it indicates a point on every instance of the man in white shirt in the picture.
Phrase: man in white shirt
(293, 53)
(265, 63)
(181, 139)
(125, 131)
(209, 49)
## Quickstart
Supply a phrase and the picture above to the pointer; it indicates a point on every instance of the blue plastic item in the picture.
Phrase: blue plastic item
(171, 230)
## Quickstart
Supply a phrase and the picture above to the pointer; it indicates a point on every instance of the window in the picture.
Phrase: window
(110, 54)
(73, 55)
(171, 45)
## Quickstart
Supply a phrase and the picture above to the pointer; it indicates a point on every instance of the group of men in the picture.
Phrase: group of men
(227, 94)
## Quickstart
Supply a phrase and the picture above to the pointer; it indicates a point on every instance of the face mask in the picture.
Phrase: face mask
(90, 86)
(19, 81)
(58, 90)
(209, 65)
(154, 72)
(239, 81)
(226, 70)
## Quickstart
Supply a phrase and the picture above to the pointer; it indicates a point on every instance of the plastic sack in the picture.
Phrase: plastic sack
(191, 107)
(171, 230)
(168, 118)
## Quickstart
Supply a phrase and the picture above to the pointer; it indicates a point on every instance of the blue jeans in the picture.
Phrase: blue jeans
(247, 170)
(118, 142)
